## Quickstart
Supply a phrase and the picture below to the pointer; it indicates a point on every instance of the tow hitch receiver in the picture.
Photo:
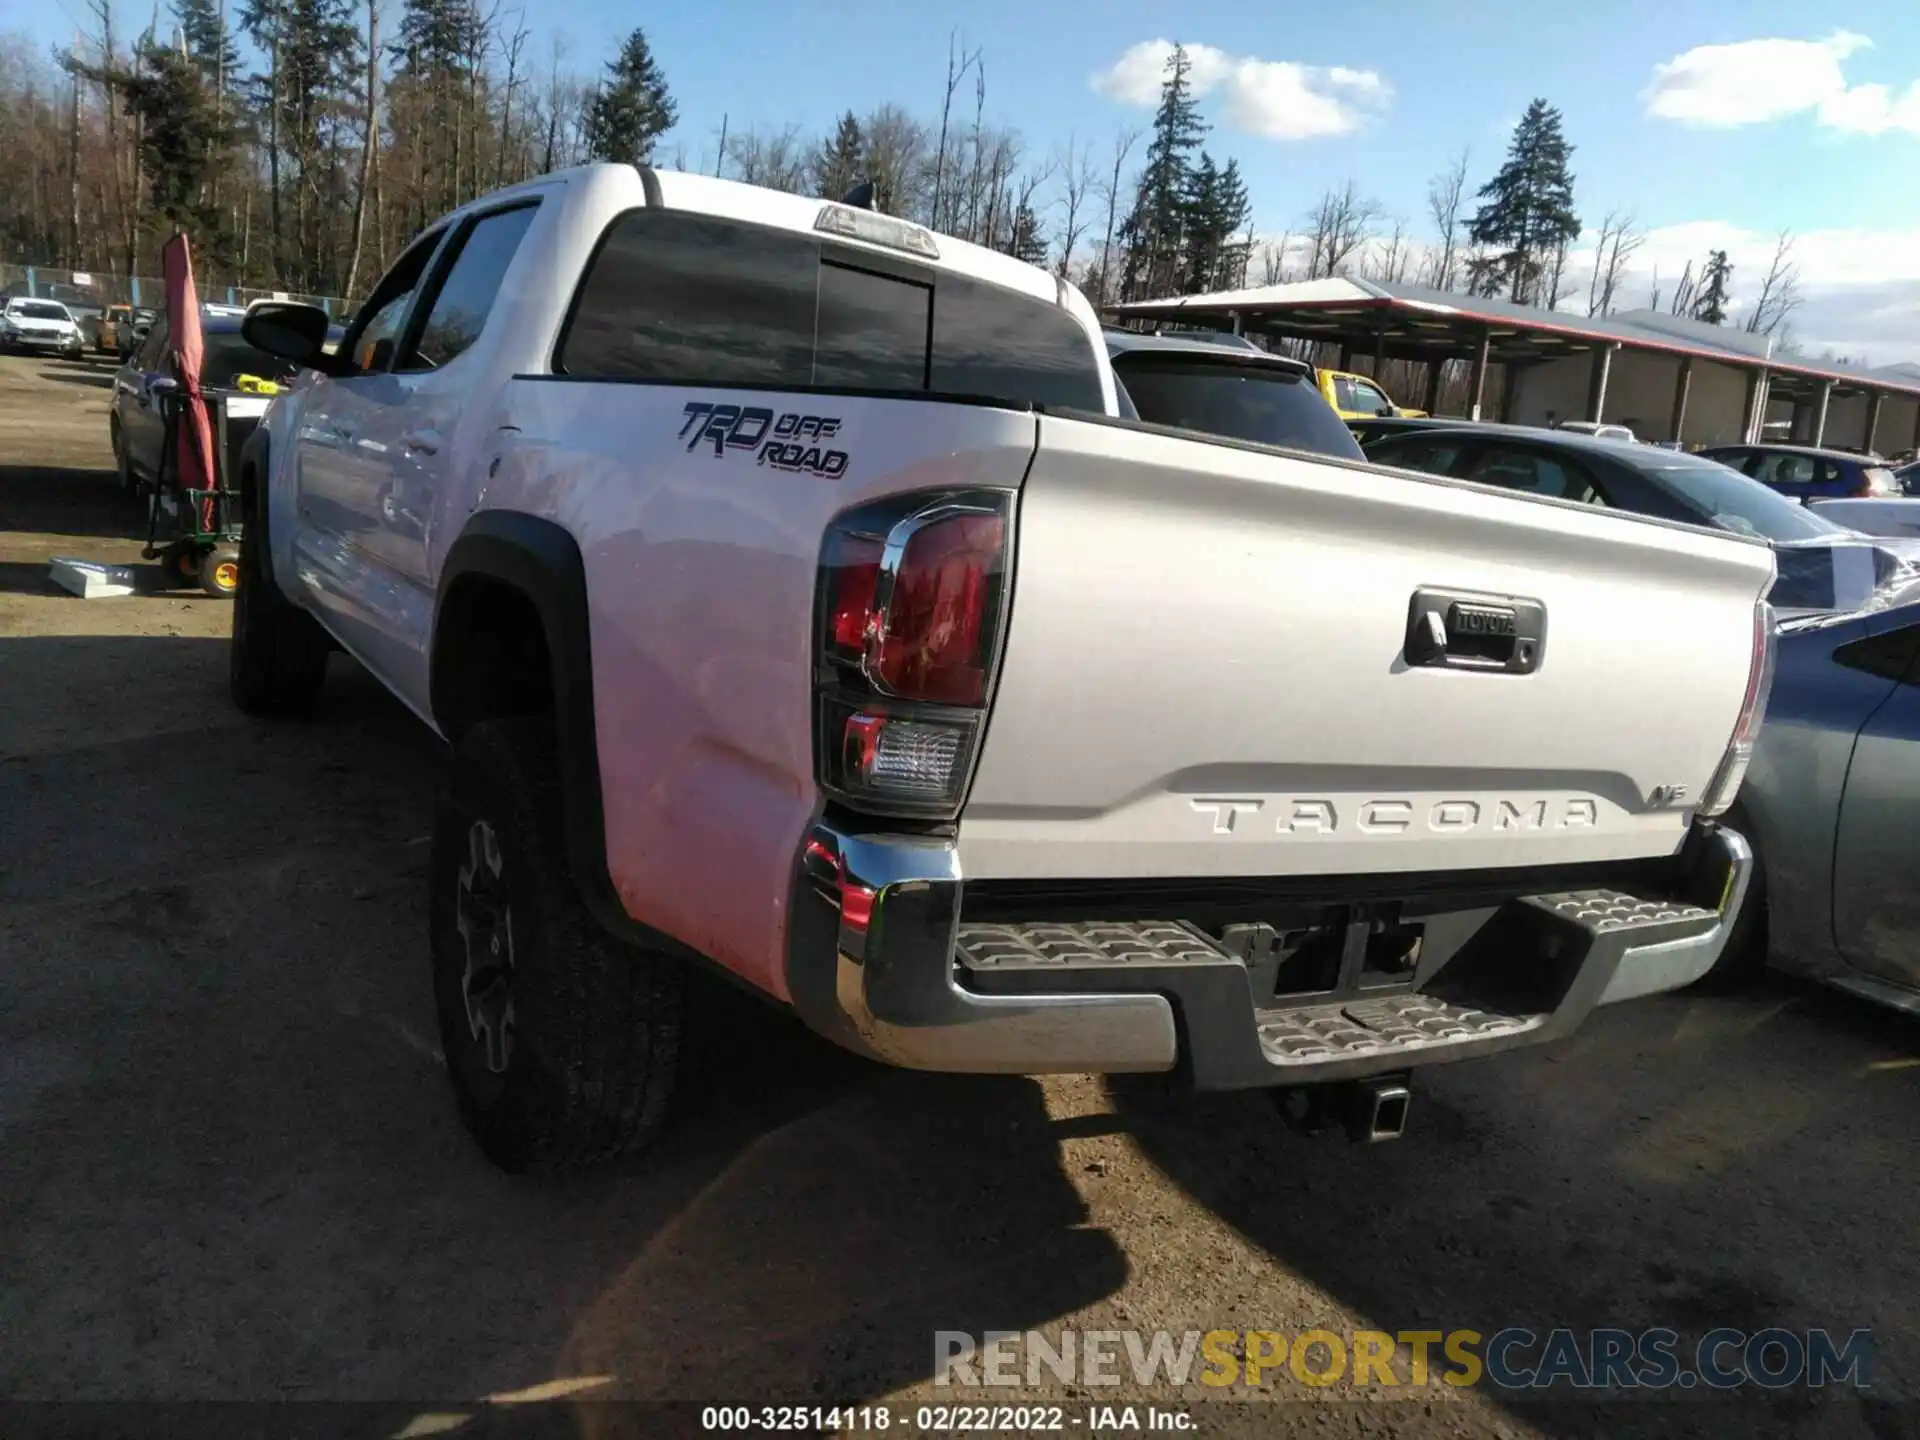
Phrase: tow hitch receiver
(1371, 1110)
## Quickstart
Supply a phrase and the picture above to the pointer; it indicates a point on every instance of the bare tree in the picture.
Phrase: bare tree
(1557, 286)
(1077, 181)
(896, 149)
(1274, 269)
(777, 161)
(1779, 293)
(1682, 293)
(959, 61)
(369, 147)
(1620, 239)
(1123, 142)
(1340, 224)
(1446, 194)
(1391, 261)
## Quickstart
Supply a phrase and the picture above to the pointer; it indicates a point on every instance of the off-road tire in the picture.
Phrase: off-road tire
(277, 660)
(596, 1022)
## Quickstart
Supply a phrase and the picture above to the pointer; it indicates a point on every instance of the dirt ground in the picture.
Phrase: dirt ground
(231, 1170)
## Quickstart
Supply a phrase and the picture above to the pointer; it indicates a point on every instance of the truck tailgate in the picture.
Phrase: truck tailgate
(1207, 671)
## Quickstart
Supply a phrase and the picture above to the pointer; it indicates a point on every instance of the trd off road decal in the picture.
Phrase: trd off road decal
(786, 442)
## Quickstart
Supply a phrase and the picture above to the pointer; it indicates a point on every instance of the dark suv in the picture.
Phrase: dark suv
(1228, 392)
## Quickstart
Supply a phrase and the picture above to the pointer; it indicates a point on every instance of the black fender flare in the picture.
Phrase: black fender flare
(541, 560)
(256, 472)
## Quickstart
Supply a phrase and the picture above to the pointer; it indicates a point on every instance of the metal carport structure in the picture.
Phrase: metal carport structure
(1672, 378)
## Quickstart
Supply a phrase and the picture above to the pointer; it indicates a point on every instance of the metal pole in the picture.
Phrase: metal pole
(1379, 347)
(1435, 370)
(1873, 420)
(1680, 388)
(1477, 386)
(1597, 384)
(1820, 412)
(1756, 405)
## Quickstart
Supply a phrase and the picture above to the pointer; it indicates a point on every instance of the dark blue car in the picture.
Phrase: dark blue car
(1802, 472)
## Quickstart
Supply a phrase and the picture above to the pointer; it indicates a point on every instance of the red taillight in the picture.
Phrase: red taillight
(911, 597)
(931, 643)
(852, 575)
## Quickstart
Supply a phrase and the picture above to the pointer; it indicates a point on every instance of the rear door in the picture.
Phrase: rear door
(1876, 905)
(341, 477)
(413, 418)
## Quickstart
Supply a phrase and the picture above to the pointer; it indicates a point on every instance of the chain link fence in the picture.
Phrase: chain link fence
(96, 289)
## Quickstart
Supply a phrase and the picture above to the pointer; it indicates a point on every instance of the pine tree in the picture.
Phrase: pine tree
(1711, 303)
(840, 163)
(632, 108)
(1152, 234)
(209, 39)
(1027, 242)
(1528, 212)
(1216, 208)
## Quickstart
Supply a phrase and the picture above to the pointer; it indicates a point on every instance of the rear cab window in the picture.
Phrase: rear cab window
(682, 297)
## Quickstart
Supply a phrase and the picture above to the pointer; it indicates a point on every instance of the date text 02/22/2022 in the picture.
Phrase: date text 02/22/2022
(943, 1419)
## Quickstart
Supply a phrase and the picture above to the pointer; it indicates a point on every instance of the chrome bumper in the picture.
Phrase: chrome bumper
(887, 909)
(875, 932)
(1722, 873)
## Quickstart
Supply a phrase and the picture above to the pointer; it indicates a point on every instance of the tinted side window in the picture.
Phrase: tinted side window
(1527, 470)
(154, 345)
(1891, 656)
(995, 342)
(691, 297)
(467, 288)
(1370, 399)
(1435, 457)
(872, 330)
(380, 318)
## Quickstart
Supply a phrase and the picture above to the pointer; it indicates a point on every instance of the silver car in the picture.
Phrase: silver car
(1831, 805)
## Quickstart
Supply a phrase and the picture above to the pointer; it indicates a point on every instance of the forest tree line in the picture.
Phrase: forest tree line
(301, 143)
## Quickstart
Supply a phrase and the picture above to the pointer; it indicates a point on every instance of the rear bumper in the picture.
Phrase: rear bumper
(885, 959)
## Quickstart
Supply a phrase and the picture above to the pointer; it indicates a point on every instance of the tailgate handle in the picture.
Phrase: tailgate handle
(1467, 630)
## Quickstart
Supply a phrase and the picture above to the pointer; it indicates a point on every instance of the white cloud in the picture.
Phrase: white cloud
(1861, 288)
(1279, 99)
(1723, 86)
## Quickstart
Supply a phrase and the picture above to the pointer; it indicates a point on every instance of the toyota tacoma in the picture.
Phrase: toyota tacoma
(796, 599)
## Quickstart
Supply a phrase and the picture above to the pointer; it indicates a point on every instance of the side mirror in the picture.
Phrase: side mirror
(291, 332)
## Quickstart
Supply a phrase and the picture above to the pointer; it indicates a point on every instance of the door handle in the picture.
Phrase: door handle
(426, 440)
(1462, 630)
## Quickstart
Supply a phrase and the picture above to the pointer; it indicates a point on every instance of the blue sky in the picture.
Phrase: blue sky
(1459, 74)
(1714, 121)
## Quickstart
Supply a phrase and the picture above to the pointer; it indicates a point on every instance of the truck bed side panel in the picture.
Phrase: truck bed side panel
(701, 570)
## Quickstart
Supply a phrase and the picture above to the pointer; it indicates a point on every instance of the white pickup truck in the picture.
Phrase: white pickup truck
(795, 598)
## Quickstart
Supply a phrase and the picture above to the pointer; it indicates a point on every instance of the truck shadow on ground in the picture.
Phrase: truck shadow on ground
(232, 1162)
(1690, 1162)
(67, 500)
(98, 379)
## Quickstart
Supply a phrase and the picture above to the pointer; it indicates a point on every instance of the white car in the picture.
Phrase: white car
(27, 324)
(1598, 430)
(796, 599)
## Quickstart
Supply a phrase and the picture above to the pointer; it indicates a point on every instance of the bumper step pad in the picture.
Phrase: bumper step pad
(1230, 1041)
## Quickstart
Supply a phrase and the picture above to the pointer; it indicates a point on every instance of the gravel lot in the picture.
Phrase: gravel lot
(231, 1168)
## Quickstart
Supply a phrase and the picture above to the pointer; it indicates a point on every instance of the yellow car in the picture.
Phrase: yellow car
(1355, 397)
